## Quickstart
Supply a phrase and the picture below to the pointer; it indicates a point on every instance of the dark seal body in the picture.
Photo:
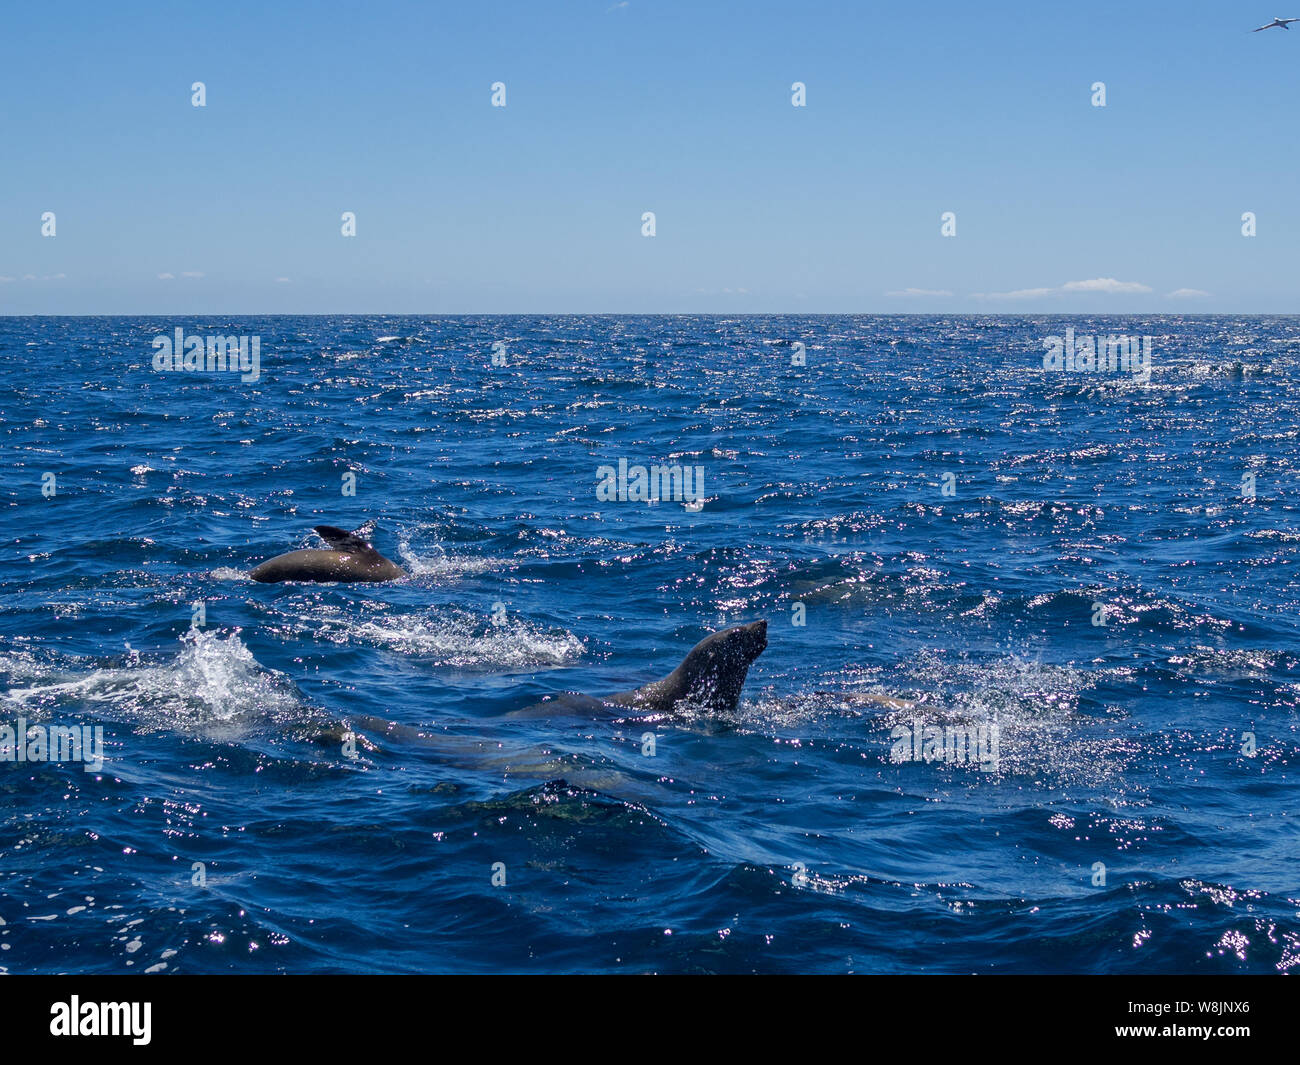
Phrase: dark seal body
(349, 558)
(709, 679)
(710, 676)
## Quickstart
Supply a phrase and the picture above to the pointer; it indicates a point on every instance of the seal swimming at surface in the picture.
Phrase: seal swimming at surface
(709, 678)
(350, 558)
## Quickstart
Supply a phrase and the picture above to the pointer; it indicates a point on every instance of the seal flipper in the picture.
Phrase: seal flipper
(343, 541)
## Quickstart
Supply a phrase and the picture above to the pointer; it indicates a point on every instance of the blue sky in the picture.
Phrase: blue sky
(679, 108)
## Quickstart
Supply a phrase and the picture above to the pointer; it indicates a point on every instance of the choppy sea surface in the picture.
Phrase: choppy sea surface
(1103, 567)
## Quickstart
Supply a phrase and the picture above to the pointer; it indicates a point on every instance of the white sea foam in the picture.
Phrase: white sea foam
(436, 562)
(1035, 705)
(213, 688)
(449, 637)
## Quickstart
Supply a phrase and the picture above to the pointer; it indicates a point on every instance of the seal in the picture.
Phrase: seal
(710, 677)
(708, 680)
(350, 558)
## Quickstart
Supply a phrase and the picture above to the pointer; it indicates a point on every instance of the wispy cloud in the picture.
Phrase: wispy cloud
(906, 293)
(620, 4)
(1188, 294)
(1107, 285)
(1018, 294)
(166, 277)
(283, 281)
(193, 274)
(33, 277)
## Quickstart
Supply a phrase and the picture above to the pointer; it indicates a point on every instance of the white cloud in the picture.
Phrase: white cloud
(282, 281)
(1188, 294)
(909, 292)
(1018, 294)
(166, 277)
(1105, 284)
(192, 273)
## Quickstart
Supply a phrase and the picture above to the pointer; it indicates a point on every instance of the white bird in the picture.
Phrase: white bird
(1281, 23)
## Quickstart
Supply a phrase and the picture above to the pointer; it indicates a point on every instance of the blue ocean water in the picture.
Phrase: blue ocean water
(1102, 567)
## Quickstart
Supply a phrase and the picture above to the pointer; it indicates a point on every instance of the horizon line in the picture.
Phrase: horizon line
(652, 314)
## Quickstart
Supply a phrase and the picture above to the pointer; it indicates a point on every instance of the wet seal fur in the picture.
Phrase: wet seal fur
(350, 558)
(709, 681)
(710, 677)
